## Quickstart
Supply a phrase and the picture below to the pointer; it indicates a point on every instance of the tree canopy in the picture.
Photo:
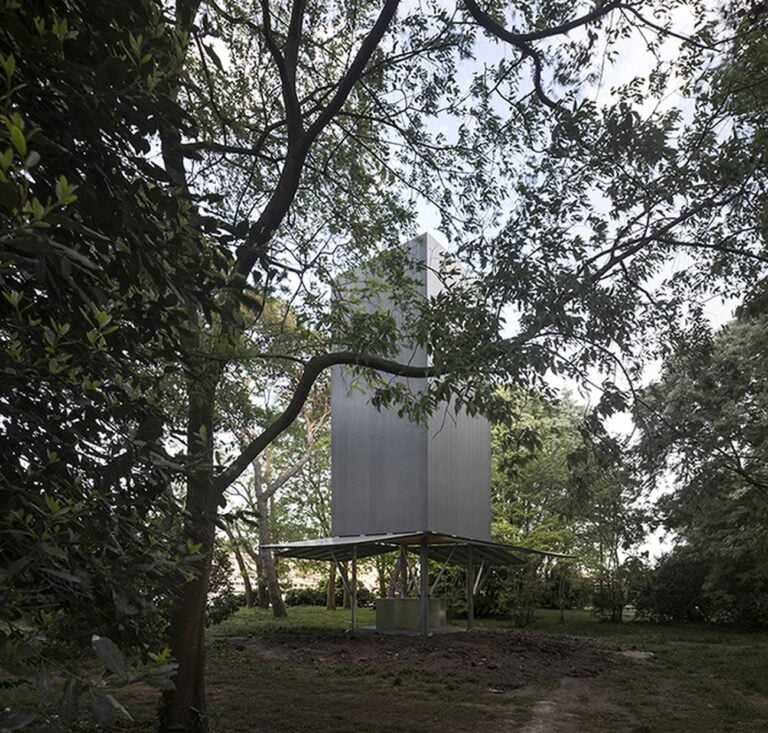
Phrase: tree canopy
(703, 437)
(168, 171)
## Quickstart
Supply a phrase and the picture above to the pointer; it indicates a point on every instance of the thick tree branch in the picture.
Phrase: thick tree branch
(312, 370)
(294, 37)
(186, 11)
(287, 74)
(521, 39)
(355, 71)
(287, 186)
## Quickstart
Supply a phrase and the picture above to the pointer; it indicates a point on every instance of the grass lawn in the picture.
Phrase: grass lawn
(700, 678)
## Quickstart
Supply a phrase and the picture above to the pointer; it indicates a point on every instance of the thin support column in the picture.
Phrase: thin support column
(353, 590)
(424, 582)
(470, 588)
(403, 571)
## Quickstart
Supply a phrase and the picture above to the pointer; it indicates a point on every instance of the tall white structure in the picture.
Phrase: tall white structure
(420, 490)
(393, 475)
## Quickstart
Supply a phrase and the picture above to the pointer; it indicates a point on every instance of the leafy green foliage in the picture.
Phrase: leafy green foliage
(223, 602)
(317, 596)
(704, 422)
(559, 488)
(532, 482)
(158, 197)
(676, 589)
(93, 275)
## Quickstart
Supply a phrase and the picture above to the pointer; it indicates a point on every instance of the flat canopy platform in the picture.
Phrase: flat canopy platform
(445, 548)
(428, 616)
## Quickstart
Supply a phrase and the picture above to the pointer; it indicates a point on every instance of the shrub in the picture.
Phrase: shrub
(676, 589)
(305, 597)
(223, 602)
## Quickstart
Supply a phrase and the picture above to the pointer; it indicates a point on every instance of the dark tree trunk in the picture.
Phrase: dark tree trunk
(184, 708)
(262, 595)
(346, 600)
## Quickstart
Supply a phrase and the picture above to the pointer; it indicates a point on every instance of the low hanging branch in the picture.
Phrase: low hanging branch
(312, 370)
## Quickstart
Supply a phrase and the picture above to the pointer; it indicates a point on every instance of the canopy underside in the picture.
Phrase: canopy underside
(444, 548)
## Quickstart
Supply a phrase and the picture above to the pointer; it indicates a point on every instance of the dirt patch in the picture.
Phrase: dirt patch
(578, 704)
(497, 659)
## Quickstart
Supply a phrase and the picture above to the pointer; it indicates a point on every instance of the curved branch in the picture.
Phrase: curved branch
(355, 71)
(312, 370)
(521, 39)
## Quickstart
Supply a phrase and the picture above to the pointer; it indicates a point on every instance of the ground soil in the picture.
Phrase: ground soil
(498, 660)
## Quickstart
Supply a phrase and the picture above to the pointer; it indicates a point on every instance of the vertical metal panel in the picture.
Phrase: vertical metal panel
(379, 474)
(459, 466)
(391, 475)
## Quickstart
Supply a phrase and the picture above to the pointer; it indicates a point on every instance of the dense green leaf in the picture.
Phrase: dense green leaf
(108, 652)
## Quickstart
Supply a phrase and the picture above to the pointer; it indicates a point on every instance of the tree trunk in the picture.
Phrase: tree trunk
(241, 566)
(261, 590)
(330, 591)
(268, 561)
(381, 575)
(262, 597)
(397, 571)
(346, 598)
(184, 708)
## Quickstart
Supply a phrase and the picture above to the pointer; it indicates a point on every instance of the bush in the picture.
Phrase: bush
(317, 596)
(608, 601)
(223, 602)
(222, 606)
(507, 593)
(305, 597)
(676, 589)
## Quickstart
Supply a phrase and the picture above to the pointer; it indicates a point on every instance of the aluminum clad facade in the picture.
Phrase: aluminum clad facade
(459, 475)
(392, 475)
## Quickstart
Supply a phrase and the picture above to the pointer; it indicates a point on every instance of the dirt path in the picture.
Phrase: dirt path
(577, 704)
